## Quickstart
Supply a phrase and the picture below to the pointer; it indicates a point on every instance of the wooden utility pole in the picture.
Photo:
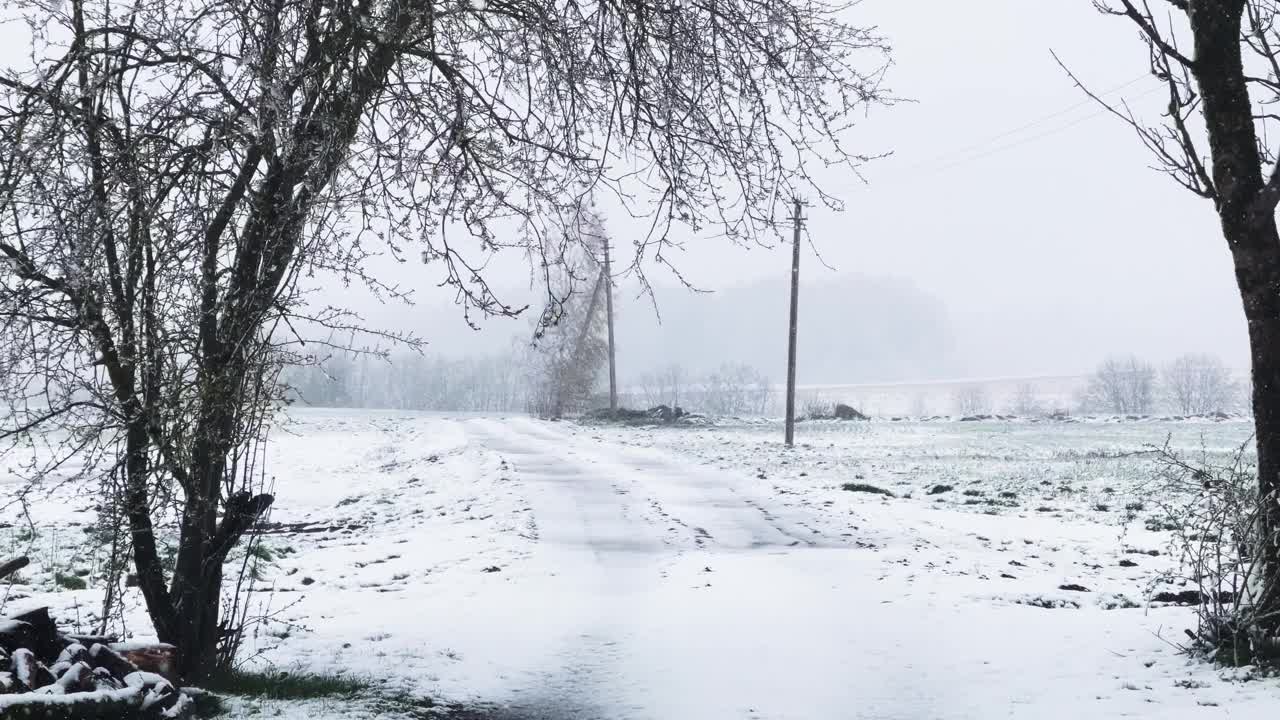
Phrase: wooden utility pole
(608, 306)
(797, 221)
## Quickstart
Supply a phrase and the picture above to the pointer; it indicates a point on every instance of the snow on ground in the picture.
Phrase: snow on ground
(556, 571)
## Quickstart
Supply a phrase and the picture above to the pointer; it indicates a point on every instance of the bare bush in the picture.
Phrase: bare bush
(1212, 508)
(1199, 384)
(734, 390)
(972, 400)
(818, 408)
(920, 405)
(1121, 385)
(1026, 401)
(666, 386)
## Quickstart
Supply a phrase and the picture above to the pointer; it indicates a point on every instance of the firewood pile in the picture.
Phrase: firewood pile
(49, 675)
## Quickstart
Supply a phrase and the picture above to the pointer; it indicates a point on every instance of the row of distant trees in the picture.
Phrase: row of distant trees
(731, 389)
(546, 377)
(409, 381)
(1192, 384)
(529, 378)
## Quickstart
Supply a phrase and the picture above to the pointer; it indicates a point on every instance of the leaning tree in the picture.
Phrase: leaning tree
(570, 347)
(1218, 61)
(177, 173)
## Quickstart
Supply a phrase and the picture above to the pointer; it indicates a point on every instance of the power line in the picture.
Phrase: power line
(1039, 136)
(965, 156)
(1051, 116)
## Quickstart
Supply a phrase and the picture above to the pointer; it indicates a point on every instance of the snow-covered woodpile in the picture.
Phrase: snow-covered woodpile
(49, 675)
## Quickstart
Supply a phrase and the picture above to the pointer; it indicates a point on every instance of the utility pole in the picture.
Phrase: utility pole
(608, 300)
(798, 221)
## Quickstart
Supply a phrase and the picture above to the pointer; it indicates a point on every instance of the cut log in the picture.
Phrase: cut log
(101, 656)
(160, 697)
(13, 566)
(77, 679)
(123, 704)
(16, 634)
(89, 640)
(158, 658)
(74, 653)
(47, 642)
(147, 680)
(31, 673)
(104, 680)
(8, 683)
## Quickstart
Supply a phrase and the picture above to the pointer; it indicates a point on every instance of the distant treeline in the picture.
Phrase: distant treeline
(409, 381)
(511, 382)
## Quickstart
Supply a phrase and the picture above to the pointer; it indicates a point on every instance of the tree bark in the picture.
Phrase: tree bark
(13, 566)
(1264, 340)
(146, 557)
(1249, 227)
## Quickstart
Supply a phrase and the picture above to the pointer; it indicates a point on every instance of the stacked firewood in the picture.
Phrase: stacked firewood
(49, 675)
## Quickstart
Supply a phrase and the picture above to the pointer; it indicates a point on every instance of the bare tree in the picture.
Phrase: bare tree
(648, 390)
(1197, 384)
(670, 385)
(1122, 385)
(414, 381)
(1026, 401)
(176, 172)
(920, 405)
(734, 390)
(570, 348)
(1218, 63)
(972, 400)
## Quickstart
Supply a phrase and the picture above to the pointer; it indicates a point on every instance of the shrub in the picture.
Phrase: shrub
(866, 488)
(69, 582)
(1211, 510)
(282, 685)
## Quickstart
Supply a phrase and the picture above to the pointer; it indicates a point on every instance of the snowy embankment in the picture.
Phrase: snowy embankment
(549, 570)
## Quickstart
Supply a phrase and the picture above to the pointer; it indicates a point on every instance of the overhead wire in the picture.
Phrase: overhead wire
(987, 147)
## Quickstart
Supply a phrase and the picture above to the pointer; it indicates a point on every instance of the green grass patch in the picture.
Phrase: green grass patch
(261, 552)
(866, 488)
(69, 582)
(283, 685)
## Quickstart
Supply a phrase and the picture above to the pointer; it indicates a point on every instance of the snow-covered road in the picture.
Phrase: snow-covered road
(662, 589)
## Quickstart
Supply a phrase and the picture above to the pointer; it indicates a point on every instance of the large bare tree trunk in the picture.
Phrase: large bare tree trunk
(1246, 209)
(1265, 341)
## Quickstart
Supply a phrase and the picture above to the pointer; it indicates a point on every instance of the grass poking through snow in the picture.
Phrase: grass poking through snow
(274, 686)
(282, 685)
(866, 488)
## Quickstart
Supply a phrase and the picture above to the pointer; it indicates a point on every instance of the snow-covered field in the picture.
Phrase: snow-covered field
(554, 570)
